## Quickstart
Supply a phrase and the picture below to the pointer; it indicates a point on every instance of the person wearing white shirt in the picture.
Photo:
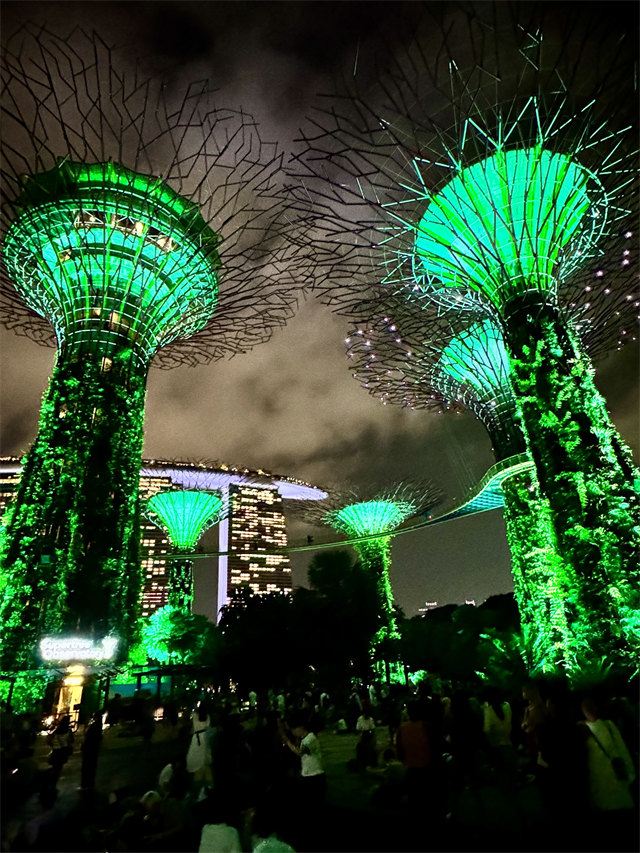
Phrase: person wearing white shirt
(314, 783)
(365, 723)
(218, 836)
(610, 766)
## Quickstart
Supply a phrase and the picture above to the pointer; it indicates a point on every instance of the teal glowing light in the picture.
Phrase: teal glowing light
(185, 515)
(370, 517)
(112, 258)
(503, 225)
(477, 357)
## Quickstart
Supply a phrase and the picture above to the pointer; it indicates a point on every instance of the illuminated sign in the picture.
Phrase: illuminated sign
(77, 648)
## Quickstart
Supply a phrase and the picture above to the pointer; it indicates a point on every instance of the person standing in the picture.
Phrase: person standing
(465, 732)
(314, 783)
(536, 715)
(90, 752)
(503, 758)
(114, 711)
(497, 731)
(561, 766)
(61, 746)
(198, 757)
(365, 723)
(414, 750)
(611, 769)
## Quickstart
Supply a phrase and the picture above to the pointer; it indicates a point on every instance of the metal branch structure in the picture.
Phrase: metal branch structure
(505, 190)
(140, 222)
(184, 516)
(365, 515)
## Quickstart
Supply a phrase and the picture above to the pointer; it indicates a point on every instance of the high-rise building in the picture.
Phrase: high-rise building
(254, 525)
(257, 524)
(154, 545)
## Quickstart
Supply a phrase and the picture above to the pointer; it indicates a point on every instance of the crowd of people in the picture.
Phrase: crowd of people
(251, 775)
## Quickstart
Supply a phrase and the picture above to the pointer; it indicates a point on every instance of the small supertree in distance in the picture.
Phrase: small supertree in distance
(493, 187)
(140, 221)
(368, 516)
(394, 360)
(184, 515)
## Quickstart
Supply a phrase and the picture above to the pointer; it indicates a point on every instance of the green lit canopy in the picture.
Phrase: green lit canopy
(370, 517)
(476, 357)
(112, 258)
(501, 225)
(185, 515)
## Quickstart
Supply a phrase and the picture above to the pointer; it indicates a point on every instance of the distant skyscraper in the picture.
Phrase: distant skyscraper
(470, 601)
(154, 545)
(428, 605)
(9, 478)
(257, 524)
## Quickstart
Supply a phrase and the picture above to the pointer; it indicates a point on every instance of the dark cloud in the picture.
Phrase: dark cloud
(177, 30)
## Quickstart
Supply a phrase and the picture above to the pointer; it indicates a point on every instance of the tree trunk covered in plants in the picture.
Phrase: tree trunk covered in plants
(375, 557)
(70, 555)
(556, 627)
(181, 585)
(583, 467)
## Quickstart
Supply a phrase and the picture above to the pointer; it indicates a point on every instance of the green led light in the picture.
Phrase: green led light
(112, 257)
(501, 225)
(369, 517)
(477, 357)
(185, 515)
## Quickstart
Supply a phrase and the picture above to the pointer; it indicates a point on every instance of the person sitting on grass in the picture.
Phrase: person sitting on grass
(218, 834)
(392, 773)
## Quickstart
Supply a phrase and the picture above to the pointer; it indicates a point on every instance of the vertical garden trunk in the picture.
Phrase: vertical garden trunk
(375, 556)
(70, 556)
(181, 585)
(556, 627)
(583, 468)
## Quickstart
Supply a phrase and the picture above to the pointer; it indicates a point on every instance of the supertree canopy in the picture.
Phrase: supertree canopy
(140, 221)
(366, 516)
(493, 192)
(184, 515)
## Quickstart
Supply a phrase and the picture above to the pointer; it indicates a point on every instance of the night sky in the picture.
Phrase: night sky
(291, 405)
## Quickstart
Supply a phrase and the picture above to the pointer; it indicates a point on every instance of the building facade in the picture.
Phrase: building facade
(256, 525)
(154, 546)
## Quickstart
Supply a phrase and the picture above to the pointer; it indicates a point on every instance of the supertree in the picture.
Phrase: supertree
(368, 516)
(493, 192)
(184, 516)
(470, 369)
(136, 214)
